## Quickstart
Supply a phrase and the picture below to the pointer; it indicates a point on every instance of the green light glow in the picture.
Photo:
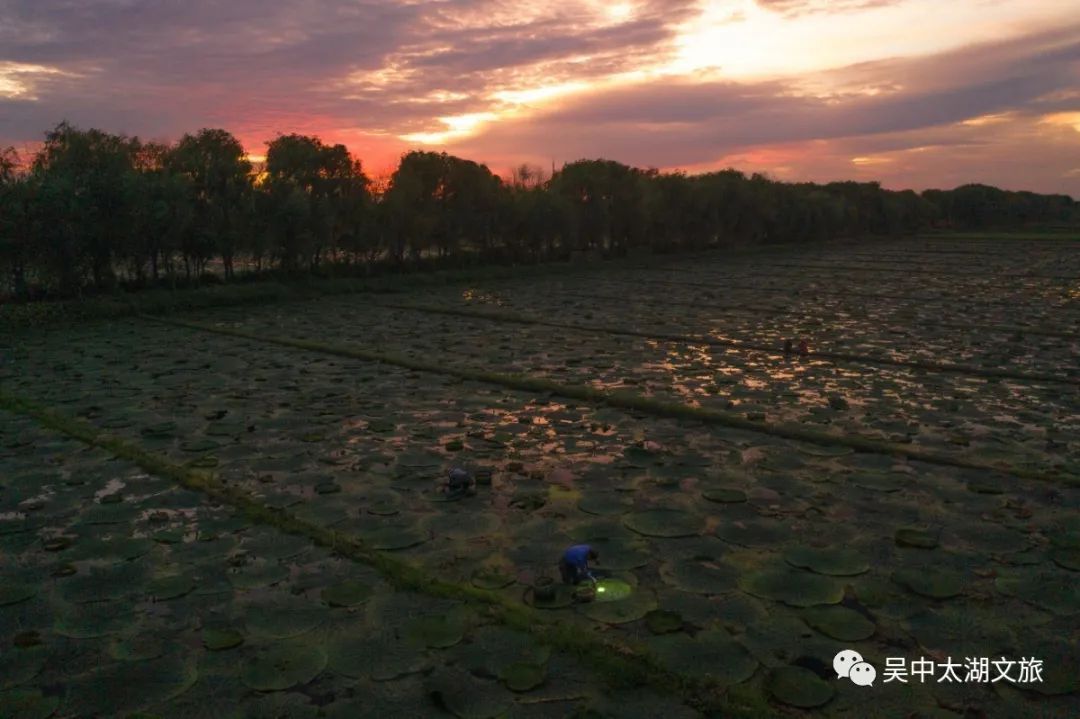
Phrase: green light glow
(611, 589)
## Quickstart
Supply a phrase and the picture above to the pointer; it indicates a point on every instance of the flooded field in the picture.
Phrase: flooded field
(173, 494)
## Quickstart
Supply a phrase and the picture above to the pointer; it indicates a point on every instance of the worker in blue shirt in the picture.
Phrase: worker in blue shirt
(574, 565)
(459, 483)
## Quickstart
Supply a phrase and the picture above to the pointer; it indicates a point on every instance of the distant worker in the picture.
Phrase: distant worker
(459, 483)
(787, 347)
(574, 565)
(804, 349)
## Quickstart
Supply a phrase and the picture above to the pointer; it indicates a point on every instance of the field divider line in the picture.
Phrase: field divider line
(719, 286)
(753, 309)
(937, 273)
(732, 344)
(617, 662)
(633, 402)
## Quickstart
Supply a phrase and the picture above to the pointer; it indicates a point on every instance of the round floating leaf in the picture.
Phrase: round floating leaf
(619, 555)
(170, 586)
(102, 584)
(401, 699)
(930, 582)
(630, 609)
(724, 495)
(350, 593)
(436, 632)
(381, 426)
(226, 429)
(700, 576)
(604, 504)
(172, 535)
(521, 677)
(493, 647)
(18, 525)
(793, 587)
(960, 631)
(1060, 659)
(15, 592)
(987, 484)
(139, 647)
(419, 460)
(260, 573)
(664, 523)
(660, 621)
(88, 621)
(915, 537)
(611, 589)
(1065, 537)
(798, 687)
(57, 543)
(220, 639)
(275, 545)
(638, 456)
(292, 705)
(1066, 558)
(199, 445)
(322, 512)
(834, 562)
(283, 617)
(282, 667)
(384, 503)
(838, 622)
(19, 666)
(123, 548)
(880, 482)
(382, 657)
(27, 704)
(122, 688)
(393, 537)
(161, 430)
(1050, 589)
(711, 654)
(468, 697)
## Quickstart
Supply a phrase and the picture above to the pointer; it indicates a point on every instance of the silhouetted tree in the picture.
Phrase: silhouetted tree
(15, 202)
(317, 192)
(219, 178)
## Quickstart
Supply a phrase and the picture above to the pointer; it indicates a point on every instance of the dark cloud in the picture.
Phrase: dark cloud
(163, 65)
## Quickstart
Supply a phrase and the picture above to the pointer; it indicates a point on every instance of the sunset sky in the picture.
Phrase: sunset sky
(916, 93)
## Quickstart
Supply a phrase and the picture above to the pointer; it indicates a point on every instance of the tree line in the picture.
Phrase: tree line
(92, 211)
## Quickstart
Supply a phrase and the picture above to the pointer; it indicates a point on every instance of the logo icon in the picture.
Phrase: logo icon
(849, 664)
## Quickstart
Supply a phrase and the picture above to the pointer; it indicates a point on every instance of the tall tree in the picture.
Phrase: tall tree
(321, 191)
(219, 176)
(15, 199)
(86, 201)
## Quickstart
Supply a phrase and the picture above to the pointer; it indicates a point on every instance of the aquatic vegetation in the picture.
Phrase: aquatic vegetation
(245, 500)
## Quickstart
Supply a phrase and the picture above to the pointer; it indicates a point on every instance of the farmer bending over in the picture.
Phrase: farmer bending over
(459, 483)
(574, 565)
